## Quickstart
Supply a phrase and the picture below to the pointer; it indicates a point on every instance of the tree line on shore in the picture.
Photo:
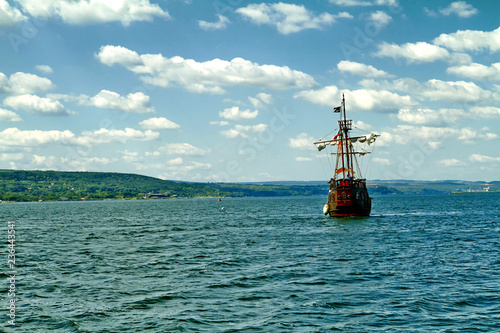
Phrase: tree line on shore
(21, 185)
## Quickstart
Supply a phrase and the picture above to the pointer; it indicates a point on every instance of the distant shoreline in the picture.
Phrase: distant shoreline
(33, 186)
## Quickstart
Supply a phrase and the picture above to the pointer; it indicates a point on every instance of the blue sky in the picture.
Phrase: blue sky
(232, 90)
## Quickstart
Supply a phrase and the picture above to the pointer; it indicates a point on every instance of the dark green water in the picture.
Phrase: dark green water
(419, 264)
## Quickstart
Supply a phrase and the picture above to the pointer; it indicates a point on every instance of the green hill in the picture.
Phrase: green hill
(269, 189)
(18, 185)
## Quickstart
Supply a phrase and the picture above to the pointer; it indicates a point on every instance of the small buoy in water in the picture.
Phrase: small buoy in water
(219, 199)
(223, 208)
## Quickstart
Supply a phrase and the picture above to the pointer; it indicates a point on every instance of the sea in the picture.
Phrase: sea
(419, 263)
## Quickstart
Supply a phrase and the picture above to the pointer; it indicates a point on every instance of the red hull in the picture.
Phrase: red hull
(348, 198)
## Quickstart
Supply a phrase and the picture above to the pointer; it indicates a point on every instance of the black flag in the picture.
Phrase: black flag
(337, 109)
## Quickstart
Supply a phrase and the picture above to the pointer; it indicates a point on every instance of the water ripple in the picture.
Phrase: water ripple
(187, 266)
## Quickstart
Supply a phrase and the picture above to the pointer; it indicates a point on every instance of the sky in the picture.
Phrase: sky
(238, 91)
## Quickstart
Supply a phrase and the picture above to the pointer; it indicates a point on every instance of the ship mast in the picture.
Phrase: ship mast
(346, 155)
(345, 125)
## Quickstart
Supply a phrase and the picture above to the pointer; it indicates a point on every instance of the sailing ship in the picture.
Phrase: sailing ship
(348, 195)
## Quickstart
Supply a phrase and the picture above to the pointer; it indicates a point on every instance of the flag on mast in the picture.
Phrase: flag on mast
(337, 109)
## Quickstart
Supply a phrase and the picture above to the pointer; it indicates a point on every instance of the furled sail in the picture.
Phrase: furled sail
(340, 170)
(372, 138)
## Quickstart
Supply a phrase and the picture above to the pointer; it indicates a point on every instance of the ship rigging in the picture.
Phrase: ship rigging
(348, 195)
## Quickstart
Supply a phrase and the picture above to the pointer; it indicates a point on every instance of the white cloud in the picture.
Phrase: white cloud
(287, 18)
(182, 149)
(419, 116)
(175, 161)
(37, 105)
(105, 135)
(46, 161)
(477, 71)
(6, 115)
(455, 91)
(131, 156)
(233, 133)
(434, 145)
(451, 162)
(380, 18)
(376, 100)
(467, 134)
(303, 159)
(261, 100)
(430, 12)
(431, 117)
(11, 156)
(403, 84)
(235, 113)
(303, 142)
(110, 55)
(360, 69)
(54, 162)
(158, 124)
(24, 83)
(392, 3)
(9, 16)
(44, 69)
(490, 136)
(233, 101)
(257, 103)
(219, 123)
(152, 154)
(383, 161)
(16, 137)
(470, 40)
(483, 158)
(361, 99)
(241, 131)
(460, 8)
(81, 12)
(177, 169)
(485, 112)
(362, 125)
(204, 77)
(196, 166)
(84, 163)
(134, 102)
(413, 52)
(403, 134)
(220, 24)
(329, 96)
(266, 98)
(450, 91)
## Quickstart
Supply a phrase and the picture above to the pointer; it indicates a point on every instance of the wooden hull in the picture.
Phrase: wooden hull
(348, 198)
